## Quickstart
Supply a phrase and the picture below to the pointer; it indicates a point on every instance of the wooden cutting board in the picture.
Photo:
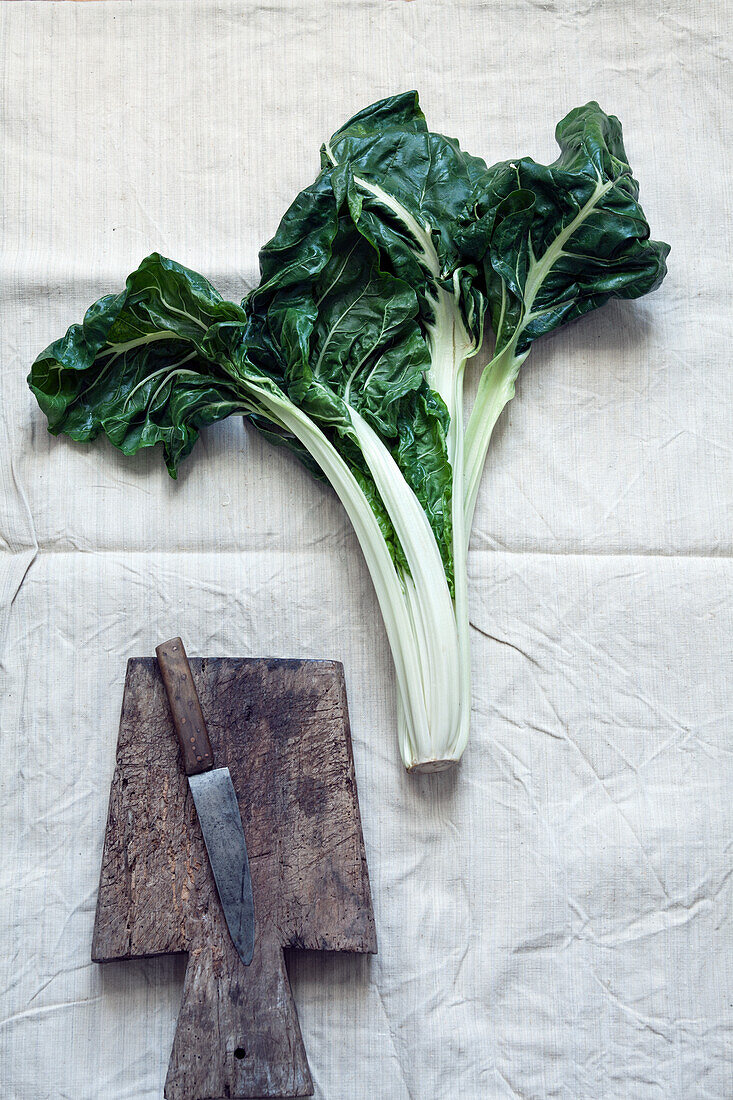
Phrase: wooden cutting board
(282, 728)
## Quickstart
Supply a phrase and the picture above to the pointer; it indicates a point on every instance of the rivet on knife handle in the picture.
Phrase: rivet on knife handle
(188, 718)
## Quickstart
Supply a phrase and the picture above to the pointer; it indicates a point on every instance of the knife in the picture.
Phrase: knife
(214, 798)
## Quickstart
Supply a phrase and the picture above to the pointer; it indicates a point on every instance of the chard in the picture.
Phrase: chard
(352, 352)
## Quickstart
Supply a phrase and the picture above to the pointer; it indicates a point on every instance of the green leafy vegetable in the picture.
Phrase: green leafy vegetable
(137, 369)
(564, 239)
(352, 352)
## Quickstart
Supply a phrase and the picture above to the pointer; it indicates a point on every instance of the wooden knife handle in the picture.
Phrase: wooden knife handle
(185, 707)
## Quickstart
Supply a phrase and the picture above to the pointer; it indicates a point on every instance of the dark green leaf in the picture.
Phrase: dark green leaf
(566, 237)
(137, 368)
(347, 334)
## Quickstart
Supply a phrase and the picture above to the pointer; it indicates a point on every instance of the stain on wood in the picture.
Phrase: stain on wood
(282, 728)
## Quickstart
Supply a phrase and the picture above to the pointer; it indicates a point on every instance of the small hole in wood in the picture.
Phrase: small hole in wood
(240, 1053)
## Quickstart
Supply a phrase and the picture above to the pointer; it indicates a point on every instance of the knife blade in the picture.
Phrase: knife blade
(214, 797)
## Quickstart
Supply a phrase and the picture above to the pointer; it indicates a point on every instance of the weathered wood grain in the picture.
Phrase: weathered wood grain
(282, 728)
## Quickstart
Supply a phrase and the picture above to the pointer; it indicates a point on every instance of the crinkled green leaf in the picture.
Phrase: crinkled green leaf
(137, 368)
(356, 282)
(348, 336)
(566, 237)
(411, 184)
(390, 145)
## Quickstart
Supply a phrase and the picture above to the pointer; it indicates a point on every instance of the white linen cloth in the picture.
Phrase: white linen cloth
(554, 917)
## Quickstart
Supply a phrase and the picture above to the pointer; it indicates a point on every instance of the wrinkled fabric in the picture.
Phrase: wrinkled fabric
(554, 916)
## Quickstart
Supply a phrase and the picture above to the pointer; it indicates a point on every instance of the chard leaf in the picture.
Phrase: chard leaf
(365, 343)
(139, 368)
(400, 163)
(562, 240)
(566, 237)
(415, 191)
(367, 304)
(344, 330)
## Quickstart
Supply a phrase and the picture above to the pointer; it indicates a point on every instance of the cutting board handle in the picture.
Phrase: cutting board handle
(235, 1025)
(188, 717)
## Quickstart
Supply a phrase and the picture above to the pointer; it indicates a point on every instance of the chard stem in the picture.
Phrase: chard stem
(407, 653)
(495, 390)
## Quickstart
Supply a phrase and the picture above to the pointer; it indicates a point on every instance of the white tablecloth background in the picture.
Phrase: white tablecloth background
(554, 918)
